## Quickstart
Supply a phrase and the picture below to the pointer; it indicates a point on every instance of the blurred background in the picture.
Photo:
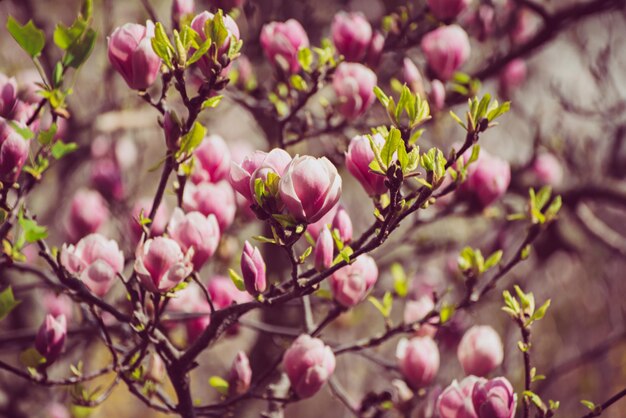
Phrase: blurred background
(572, 104)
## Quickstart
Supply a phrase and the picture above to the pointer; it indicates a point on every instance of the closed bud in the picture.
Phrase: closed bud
(309, 363)
(351, 284)
(480, 350)
(8, 96)
(547, 169)
(513, 76)
(253, 270)
(354, 87)
(310, 188)
(161, 264)
(437, 94)
(418, 359)
(57, 304)
(456, 400)
(494, 398)
(351, 34)
(95, 260)
(212, 160)
(212, 198)
(375, 50)
(131, 54)
(50, 338)
(416, 310)
(412, 77)
(106, 177)
(343, 225)
(488, 178)
(240, 375)
(358, 159)
(447, 9)
(324, 249)
(195, 231)
(13, 153)
(88, 212)
(281, 41)
(446, 49)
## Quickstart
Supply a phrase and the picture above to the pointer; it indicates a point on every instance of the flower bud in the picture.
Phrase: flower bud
(13, 153)
(316, 227)
(159, 223)
(488, 178)
(212, 160)
(95, 260)
(494, 398)
(513, 75)
(8, 96)
(480, 350)
(456, 400)
(131, 54)
(224, 293)
(375, 50)
(281, 41)
(212, 198)
(418, 359)
(241, 175)
(106, 177)
(324, 248)
(343, 224)
(308, 364)
(447, 9)
(416, 310)
(446, 49)
(88, 212)
(412, 76)
(161, 264)
(310, 187)
(524, 27)
(351, 33)
(547, 169)
(182, 8)
(57, 304)
(354, 87)
(172, 130)
(50, 338)
(437, 94)
(253, 269)
(358, 159)
(240, 375)
(198, 24)
(350, 284)
(156, 368)
(195, 231)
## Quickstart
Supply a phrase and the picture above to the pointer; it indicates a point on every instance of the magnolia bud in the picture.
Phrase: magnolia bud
(456, 400)
(131, 54)
(106, 177)
(13, 153)
(240, 375)
(375, 50)
(224, 293)
(50, 338)
(281, 42)
(253, 270)
(446, 49)
(447, 9)
(351, 33)
(310, 187)
(8, 96)
(358, 159)
(494, 398)
(547, 169)
(418, 359)
(480, 350)
(513, 75)
(212, 198)
(354, 87)
(57, 304)
(161, 264)
(488, 178)
(212, 160)
(324, 248)
(308, 364)
(195, 231)
(412, 77)
(343, 224)
(416, 310)
(437, 94)
(88, 212)
(350, 284)
(198, 24)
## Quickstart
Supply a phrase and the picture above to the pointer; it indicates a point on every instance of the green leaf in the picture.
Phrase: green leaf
(33, 232)
(541, 311)
(237, 280)
(216, 30)
(400, 280)
(61, 149)
(29, 37)
(31, 358)
(298, 82)
(212, 102)
(493, 259)
(219, 384)
(385, 306)
(534, 398)
(46, 136)
(65, 36)
(458, 120)
(305, 58)
(393, 143)
(80, 50)
(23, 131)
(305, 254)
(263, 239)
(162, 45)
(7, 302)
(382, 97)
(446, 313)
(590, 405)
(192, 139)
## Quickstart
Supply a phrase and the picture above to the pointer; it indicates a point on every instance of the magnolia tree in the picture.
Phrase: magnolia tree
(292, 252)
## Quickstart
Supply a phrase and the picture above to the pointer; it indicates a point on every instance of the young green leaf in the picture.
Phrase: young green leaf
(61, 149)
(219, 384)
(29, 37)
(7, 302)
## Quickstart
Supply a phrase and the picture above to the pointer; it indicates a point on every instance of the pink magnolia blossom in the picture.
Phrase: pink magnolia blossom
(350, 284)
(343, 224)
(106, 177)
(198, 24)
(480, 350)
(416, 310)
(131, 54)
(513, 75)
(310, 187)
(195, 231)
(50, 338)
(488, 178)
(358, 159)
(446, 49)
(253, 269)
(159, 223)
(418, 359)
(447, 9)
(547, 169)
(242, 175)
(494, 398)
(161, 264)
(95, 260)
(240, 375)
(13, 153)
(308, 364)
(324, 250)
(212, 198)
(57, 304)
(456, 400)
(88, 212)
(224, 293)
(316, 227)
(281, 42)
(212, 160)
(354, 87)
(351, 34)
(375, 49)
(8, 96)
